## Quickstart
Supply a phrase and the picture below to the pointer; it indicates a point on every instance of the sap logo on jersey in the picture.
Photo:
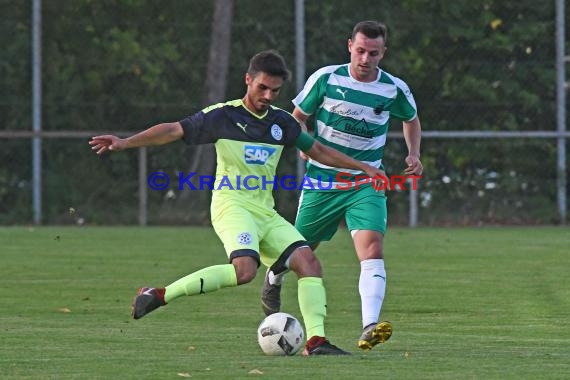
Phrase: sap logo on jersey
(257, 155)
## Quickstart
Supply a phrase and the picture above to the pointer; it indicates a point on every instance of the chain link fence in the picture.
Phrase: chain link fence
(121, 66)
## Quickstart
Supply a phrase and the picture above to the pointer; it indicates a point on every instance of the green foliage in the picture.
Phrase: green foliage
(15, 182)
(15, 66)
(123, 65)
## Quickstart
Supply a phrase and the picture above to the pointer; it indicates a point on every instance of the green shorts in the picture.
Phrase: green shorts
(243, 230)
(320, 212)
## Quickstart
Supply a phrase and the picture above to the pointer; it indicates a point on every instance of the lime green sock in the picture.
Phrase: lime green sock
(313, 304)
(205, 280)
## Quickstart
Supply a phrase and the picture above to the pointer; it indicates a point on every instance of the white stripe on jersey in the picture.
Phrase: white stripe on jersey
(376, 164)
(386, 90)
(348, 140)
(311, 82)
(354, 111)
(327, 184)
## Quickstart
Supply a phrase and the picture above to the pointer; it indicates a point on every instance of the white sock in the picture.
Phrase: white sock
(276, 279)
(372, 287)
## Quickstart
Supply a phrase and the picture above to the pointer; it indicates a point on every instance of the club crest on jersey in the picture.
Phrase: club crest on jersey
(244, 238)
(378, 109)
(276, 132)
(257, 155)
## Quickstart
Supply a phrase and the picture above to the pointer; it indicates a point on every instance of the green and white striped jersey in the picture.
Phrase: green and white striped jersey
(352, 117)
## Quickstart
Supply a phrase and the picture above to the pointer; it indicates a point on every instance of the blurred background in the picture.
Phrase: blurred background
(483, 73)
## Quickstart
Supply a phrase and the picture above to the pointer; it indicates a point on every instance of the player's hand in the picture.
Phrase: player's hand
(104, 143)
(303, 156)
(414, 167)
(379, 179)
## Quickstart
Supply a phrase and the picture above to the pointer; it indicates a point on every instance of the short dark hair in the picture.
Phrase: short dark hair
(371, 29)
(269, 62)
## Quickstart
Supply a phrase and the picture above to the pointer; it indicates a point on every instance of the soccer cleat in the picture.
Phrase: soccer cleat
(147, 300)
(318, 345)
(373, 334)
(270, 296)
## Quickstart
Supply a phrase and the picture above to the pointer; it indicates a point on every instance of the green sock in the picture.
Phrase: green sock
(313, 304)
(205, 280)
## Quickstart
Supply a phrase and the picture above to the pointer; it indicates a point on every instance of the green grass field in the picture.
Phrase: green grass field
(481, 303)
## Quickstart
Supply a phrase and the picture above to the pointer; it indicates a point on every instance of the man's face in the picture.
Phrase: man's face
(261, 91)
(365, 54)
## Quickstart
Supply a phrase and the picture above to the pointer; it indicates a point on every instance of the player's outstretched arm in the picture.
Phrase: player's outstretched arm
(332, 157)
(157, 135)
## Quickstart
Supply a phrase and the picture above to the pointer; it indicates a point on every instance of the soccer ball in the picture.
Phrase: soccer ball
(280, 334)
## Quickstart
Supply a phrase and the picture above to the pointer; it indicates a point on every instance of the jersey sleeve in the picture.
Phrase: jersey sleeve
(404, 106)
(199, 128)
(312, 94)
(304, 141)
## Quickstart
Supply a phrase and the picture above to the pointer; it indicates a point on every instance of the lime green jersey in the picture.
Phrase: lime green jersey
(248, 149)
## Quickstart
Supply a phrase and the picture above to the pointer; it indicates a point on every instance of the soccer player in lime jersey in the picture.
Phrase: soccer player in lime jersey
(249, 135)
(352, 105)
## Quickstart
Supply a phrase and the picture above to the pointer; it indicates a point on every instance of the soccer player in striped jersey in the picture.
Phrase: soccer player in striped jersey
(352, 105)
(249, 135)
